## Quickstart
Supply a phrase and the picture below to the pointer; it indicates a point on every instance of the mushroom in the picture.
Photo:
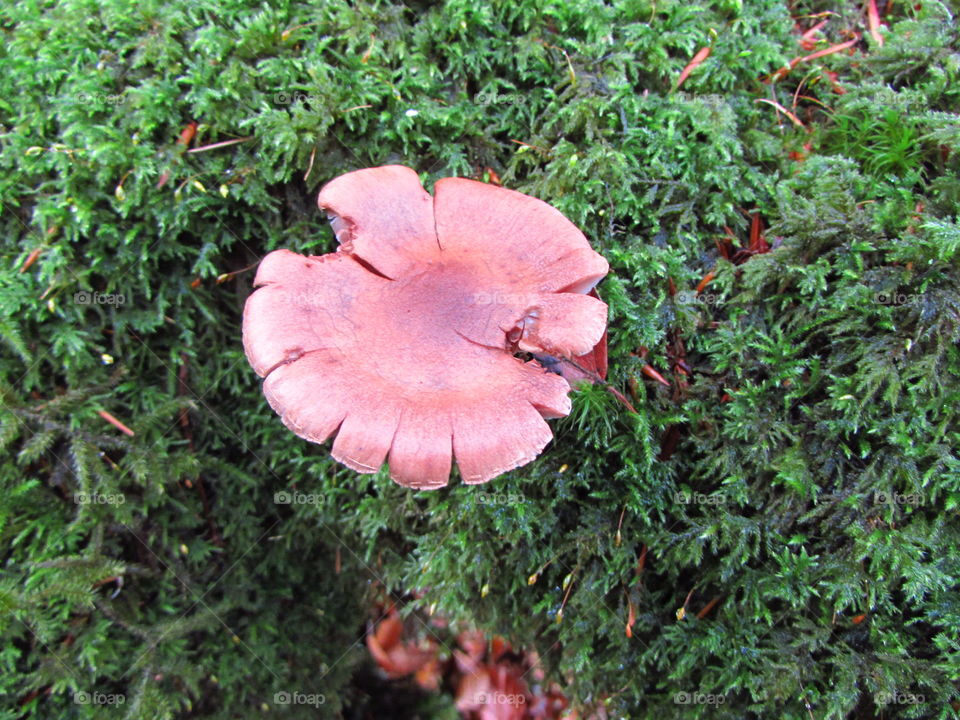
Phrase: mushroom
(589, 368)
(404, 343)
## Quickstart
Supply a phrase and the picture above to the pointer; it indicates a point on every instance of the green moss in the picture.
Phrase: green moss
(806, 476)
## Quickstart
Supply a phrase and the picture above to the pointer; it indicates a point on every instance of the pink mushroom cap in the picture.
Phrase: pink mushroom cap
(402, 343)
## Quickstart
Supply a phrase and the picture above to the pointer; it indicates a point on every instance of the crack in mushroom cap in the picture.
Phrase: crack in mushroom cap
(400, 342)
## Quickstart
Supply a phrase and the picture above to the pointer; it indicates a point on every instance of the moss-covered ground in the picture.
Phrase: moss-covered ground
(779, 527)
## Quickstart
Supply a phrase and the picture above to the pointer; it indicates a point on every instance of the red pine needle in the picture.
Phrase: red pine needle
(224, 143)
(31, 259)
(708, 607)
(653, 375)
(785, 70)
(873, 22)
(621, 398)
(642, 560)
(807, 41)
(828, 51)
(631, 617)
(116, 423)
(707, 279)
(702, 54)
(186, 135)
